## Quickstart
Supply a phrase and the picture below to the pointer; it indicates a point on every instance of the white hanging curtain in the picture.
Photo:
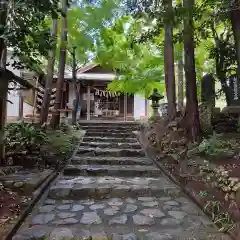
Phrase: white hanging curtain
(103, 93)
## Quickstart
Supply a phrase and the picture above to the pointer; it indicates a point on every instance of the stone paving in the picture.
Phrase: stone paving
(116, 196)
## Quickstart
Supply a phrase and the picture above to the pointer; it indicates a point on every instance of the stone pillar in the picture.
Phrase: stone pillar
(208, 89)
(155, 107)
(88, 102)
(146, 108)
(207, 103)
(205, 117)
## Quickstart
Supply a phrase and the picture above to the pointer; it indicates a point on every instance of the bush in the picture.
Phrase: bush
(64, 127)
(24, 136)
(213, 145)
(77, 126)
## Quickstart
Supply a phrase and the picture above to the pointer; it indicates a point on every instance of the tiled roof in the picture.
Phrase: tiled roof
(87, 67)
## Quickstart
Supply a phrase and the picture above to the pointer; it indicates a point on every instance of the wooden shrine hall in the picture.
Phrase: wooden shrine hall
(98, 103)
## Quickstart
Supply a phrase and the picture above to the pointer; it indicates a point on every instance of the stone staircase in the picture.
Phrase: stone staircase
(114, 167)
(111, 190)
(225, 124)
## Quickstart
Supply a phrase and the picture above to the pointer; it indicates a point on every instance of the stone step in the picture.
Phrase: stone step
(108, 123)
(111, 170)
(112, 145)
(110, 127)
(111, 160)
(110, 139)
(83, 187)
(111, 152)
(126, 222)
(152, 218)
(110, 134)
(112, 130)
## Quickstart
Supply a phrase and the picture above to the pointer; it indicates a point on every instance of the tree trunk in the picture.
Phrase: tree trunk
(180, 81)
(3, 101)
(76, 88)
(169, 62)
(192, 115)
(3, 82)
(235, 21)
(62, 62)
(49, 77)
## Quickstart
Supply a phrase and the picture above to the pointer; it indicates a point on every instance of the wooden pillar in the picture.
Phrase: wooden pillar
(125, 107)
(79, 101)
(88, 102)
(3, 106)
(20, 109)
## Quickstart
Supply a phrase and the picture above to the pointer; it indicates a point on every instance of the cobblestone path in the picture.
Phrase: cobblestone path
(111, 190)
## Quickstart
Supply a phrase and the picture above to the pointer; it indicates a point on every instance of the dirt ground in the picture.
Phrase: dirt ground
(11, 205)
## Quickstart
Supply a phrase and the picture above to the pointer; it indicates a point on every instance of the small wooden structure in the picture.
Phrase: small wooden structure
(7, 77)
(95, 100)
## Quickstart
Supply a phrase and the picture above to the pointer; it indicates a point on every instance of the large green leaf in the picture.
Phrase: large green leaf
(140, 65)
(84, 26)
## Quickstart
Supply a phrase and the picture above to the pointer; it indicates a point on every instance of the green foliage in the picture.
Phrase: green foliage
(216, 145)
(214, 44)
(213, 207)
(77, 126)
(61, 141)
(139, 66)
(220, 218)
(64, 127)
(24, 136)
(203, 193)
(27, 33)
(84, 25)
(212, 145)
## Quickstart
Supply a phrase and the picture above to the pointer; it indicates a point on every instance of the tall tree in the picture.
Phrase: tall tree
(49, 76)
(180, 67)
(61, 70)
(76, 86)
(4, 83)
(235, 20)
(27, 35)
(169, 60)
(85, 22)
(191, 114)
(27, 32)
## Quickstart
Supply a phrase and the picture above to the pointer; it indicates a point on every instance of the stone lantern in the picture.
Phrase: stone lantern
(155, 97)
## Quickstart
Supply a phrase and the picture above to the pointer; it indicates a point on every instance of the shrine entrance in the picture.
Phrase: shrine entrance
(98, 103)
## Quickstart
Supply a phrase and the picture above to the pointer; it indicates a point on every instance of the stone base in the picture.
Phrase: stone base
(155, 107)
(156, 118)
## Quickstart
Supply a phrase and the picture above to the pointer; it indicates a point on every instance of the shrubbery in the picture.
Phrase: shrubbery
(24, 137)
